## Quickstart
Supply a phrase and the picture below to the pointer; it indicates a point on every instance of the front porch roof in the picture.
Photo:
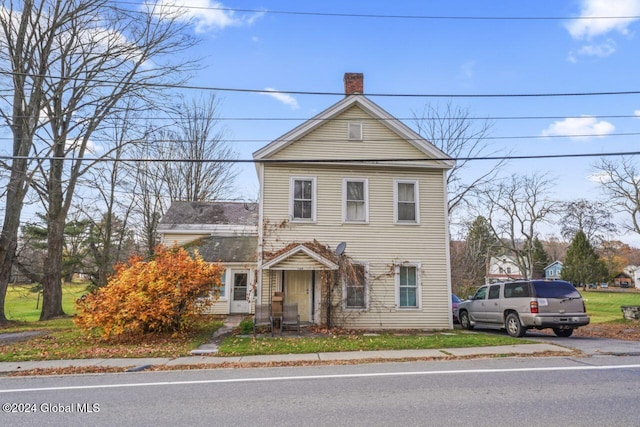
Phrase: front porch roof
(299, 258)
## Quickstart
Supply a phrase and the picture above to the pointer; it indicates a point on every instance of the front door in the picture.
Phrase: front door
(239, 292)
(297, 289)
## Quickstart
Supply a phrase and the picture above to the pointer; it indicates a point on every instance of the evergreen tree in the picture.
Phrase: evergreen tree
(540, 259)
(582, 265)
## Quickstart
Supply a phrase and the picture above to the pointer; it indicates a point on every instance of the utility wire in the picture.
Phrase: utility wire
(300, 92)
(359, 161)
(251, 141)
(369, 119)
(388, 16)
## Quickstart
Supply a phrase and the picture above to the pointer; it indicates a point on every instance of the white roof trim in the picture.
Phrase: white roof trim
(369, 106)
(300, 248)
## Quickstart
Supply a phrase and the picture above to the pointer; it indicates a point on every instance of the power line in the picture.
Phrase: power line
(300, 92)
(374, 119)
(503, 137)
(388, 16)
(335, 161)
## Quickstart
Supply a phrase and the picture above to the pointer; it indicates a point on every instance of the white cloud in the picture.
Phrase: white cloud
(637, 113)
(579, 126)
(588, 28)
(208, 15)
(599, 178)
(602, 50)
(282, 97)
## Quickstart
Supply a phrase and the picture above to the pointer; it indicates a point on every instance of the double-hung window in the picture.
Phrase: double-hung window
(303, 199)
(355, 205)
(406, 202)
(408, 286)
(356, 288)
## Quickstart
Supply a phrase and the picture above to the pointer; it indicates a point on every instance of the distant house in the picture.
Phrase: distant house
(503, 268)
(553, 271)
(225, 232)
(622, 280)
(634, 272)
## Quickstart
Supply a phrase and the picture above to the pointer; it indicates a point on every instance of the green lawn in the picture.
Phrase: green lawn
(244, 346)
(23, 305)
(604, 306)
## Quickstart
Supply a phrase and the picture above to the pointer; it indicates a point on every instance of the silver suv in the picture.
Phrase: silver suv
(518, 306)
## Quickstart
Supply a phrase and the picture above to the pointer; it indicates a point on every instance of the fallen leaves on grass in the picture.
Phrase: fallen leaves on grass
(628, 331)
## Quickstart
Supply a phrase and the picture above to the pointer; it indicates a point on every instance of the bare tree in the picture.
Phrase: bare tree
(462, 137)
(100, 57)
(593, 219)
(516, 208)
(620, 180)
(190, 149)
(22, 95)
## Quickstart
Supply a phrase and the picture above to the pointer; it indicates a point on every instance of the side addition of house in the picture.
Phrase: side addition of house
(354, 182)
(225, 232)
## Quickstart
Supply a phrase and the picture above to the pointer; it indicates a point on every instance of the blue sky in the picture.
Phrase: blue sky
(432, 56)
(293, 52)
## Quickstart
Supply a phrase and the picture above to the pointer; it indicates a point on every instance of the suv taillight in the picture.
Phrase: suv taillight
(533, 305)
(584, 307)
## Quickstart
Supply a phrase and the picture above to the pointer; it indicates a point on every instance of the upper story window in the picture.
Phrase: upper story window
(355, 131)
(303, 203)
(406, 201)
(355, 200)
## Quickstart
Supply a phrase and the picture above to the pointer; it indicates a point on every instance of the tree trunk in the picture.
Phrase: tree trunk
(51, 283)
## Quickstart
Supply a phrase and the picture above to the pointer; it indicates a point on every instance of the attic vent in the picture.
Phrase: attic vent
(355, 131)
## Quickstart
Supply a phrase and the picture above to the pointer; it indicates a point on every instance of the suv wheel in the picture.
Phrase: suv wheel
(464, 320)
(563, 332)
(513, 326)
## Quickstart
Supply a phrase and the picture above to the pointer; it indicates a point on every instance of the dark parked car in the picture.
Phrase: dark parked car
(454, 307)
(518, 306)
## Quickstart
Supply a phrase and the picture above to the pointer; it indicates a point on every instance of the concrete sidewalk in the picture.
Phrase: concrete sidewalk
(205, 360)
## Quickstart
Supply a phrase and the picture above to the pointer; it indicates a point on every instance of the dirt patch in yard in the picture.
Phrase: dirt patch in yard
(629, 331)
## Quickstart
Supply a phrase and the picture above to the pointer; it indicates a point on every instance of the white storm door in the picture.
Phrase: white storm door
(240, 292)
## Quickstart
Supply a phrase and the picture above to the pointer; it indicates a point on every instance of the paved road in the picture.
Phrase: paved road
(491, 392)
(589, 345)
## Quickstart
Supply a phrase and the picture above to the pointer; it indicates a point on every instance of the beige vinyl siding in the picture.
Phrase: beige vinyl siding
(330, 141)
(170, 239)
(380, 242)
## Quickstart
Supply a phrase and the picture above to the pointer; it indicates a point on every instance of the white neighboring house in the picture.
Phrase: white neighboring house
(634, 272)
(502, 268)
(225, 232)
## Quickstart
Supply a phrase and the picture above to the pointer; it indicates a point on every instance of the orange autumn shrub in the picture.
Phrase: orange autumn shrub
(158, 295)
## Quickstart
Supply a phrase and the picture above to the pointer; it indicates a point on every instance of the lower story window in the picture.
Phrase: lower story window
(356, 288)
(240, 286)
(407, 286)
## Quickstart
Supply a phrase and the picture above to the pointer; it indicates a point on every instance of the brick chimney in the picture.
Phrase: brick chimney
(353, 83)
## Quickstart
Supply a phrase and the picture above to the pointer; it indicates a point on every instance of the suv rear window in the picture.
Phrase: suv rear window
(555, 290)
(517, 290)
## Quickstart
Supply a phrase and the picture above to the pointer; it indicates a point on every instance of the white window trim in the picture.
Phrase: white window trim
(359, 138)
(416, 191)
(314, 198)
(344, 200)
(418, 285)
(366, 290)
(223, 296)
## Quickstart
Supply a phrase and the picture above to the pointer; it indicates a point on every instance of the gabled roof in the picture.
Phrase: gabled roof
(395, 125)
(320, 261)
(187, 215)
(554, 263)
(226, 248)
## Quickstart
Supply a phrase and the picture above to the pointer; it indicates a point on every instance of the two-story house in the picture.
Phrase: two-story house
(502, 268)
(355, 182)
